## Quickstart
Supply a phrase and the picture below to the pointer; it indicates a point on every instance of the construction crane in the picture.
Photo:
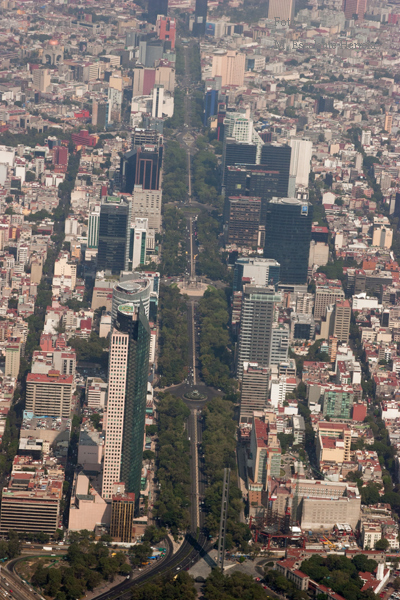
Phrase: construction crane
(327, 542)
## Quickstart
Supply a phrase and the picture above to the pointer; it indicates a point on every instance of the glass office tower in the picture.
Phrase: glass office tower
(114, 233)
(127, 392)
(288, 236)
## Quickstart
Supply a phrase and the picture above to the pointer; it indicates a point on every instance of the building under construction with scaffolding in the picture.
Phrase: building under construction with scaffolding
(307, 503)
(279, 522)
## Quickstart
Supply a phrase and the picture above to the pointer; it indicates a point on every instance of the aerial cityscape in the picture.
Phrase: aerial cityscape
(200, 300)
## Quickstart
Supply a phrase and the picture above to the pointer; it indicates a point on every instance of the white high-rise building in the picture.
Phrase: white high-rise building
(300, 160)
(146, 204)
(256, 321)
(117, 374)
(239, 127)
(62, 267)
(126, 407)
(23, 253)
(71, 226)
(279, 343)
(158, 101)
(260, 271)
(366, 138)
(139, 234)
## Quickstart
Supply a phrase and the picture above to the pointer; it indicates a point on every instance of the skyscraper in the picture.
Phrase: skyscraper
(166, 30)
(342, 317)
(300, 160)
(13, 354)
(276, 157)
(354, 9)
(244, 221)
(141, 166)
(230, 66)
(114, 231)
(254, 393)
(256, 319)
(324, 104)
(155, 8)
(200, 18)
(126, 410)
(236, 153)
(281, 9)
(287, 237)
(137, 242)
(210, 105)
(147, 205)
(252, 180)
(258, 271)
(158, 100)
(239, 127)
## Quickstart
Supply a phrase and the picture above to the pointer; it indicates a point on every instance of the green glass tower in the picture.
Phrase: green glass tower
(134, 322)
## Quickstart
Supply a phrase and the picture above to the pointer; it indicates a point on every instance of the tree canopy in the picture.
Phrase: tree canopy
(215, 355)
(173, 339)
(173, 468)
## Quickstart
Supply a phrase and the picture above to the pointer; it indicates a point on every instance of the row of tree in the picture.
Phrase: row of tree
(215, 352)
(175, 173)
(219, 446)
(173, 466)
(209, 259)
(197, 109)
(180, 60)
(173, 340)
(206, 181)
(195, 62)
(173, 258)
(178, 118)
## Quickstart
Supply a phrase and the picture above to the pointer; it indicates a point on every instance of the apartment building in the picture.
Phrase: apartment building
(49, 395)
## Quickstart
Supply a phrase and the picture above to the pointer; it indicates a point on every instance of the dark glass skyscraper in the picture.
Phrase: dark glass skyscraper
(287, 237)
(200, 18)
(237, 153)
(133, 321)
(252, 180)
(324, 104)
(210, 105)
(276, 157)
(141, 166)
(156, 7)
(114, 231)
